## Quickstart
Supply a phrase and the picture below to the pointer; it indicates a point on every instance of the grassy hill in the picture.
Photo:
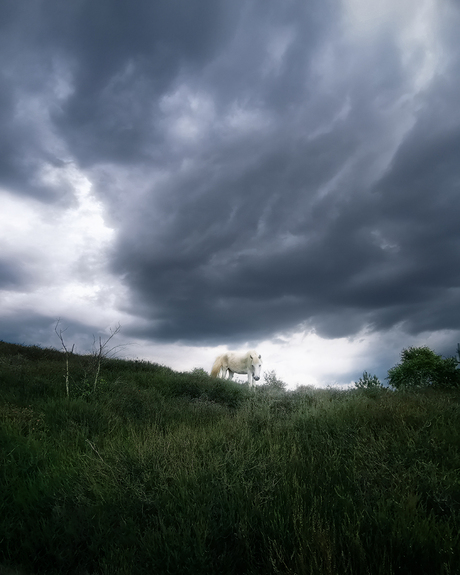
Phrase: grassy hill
(154, 471)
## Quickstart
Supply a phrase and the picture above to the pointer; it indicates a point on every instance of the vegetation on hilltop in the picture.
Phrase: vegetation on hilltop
(421, 367)
(154, 471)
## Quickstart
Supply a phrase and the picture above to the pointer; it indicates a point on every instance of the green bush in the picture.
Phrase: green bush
(367, 381)
(273, 382)
(421, 367)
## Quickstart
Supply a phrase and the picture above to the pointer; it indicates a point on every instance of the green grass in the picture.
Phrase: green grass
(165, 472)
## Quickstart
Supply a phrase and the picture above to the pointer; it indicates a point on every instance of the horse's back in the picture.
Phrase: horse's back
(238, 362)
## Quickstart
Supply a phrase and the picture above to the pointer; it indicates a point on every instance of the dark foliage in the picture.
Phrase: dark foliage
(421, 367)
(164, 472)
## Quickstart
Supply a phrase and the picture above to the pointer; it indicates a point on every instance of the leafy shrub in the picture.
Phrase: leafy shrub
(368, 381)
(421, 367)
(273, 382)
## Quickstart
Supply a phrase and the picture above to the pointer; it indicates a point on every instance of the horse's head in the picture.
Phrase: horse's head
(256, 365)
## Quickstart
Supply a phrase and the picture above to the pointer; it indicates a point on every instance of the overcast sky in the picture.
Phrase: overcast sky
(222, 174)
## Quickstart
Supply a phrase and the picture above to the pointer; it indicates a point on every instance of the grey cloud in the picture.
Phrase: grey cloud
(242, 150)
(11, 276)
(280, 255)
(34, 328)
(125, 59)
(94, 71)
(20, 153)
(28, 329)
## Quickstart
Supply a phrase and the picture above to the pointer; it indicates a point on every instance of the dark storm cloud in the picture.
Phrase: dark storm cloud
(263, 170)
(125, 58)
(30, 328)
(260, 249)
(112, 58)
(11, 276)
(270, 234)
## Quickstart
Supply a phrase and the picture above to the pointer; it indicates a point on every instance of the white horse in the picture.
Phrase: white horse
(231, 362)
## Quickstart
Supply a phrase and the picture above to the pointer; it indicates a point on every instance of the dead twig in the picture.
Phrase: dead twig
(66, 352)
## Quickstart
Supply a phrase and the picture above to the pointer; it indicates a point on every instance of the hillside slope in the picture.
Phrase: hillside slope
(154, 471)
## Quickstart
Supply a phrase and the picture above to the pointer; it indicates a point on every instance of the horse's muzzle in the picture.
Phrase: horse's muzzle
(256, 378)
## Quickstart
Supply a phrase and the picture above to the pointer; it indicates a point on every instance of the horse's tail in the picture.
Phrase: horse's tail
(216, 367)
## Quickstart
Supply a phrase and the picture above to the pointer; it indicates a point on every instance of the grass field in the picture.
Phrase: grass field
(161, 472)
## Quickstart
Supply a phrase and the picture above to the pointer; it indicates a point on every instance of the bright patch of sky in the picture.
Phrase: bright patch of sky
(63, 251)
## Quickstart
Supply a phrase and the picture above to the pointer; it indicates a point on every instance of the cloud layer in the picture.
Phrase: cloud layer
(255, 168)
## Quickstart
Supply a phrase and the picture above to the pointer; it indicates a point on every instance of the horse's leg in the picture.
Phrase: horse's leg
(230, 374)
(250, 380)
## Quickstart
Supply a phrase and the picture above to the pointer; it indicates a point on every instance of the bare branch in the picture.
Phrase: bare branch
(102, 351)
(66, 351)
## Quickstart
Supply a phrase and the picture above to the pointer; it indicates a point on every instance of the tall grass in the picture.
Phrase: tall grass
(164, 472)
